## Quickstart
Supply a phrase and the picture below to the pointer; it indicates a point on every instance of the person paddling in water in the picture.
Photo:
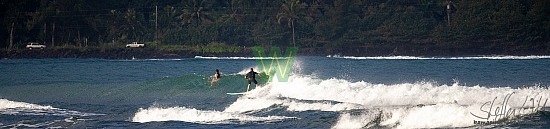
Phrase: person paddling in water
(215, 78)
(251, 77)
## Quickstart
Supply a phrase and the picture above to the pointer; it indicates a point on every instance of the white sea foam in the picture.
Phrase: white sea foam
(8, 107)
(326, 106)
(405, 105)
(145, 60)
(246, 70)
(351, 121)
(5, 104)
(238, 58)
(430, 116)
(262, 98)
(401, 105)
(501, 57)
(22, 108)
(161, 59)
(196, 116)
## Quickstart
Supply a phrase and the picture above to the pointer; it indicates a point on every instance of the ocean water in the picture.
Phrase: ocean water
(322, 92)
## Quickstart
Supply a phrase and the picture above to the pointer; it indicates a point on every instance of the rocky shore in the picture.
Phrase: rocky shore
(108, 54)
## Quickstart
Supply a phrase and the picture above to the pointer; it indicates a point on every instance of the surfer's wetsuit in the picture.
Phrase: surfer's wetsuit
(251, 76)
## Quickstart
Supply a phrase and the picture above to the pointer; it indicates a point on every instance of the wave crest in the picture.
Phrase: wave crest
(402, 105)
(441, 58)
(196, 116)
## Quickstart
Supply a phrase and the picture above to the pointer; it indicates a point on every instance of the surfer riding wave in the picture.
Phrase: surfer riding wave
(251, 77)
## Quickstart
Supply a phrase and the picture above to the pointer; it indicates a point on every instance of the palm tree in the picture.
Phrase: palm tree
(167, 20)
(234, 14)
(197, 9)
(46, 14)
(289, 12)
(132, 26)
(114, 28)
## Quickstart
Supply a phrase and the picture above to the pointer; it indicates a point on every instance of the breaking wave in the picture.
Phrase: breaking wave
(362, 104)
(441, 58)
(7, 104)
(237, 58)
(8, 107)
(197, 116)
(398, 105)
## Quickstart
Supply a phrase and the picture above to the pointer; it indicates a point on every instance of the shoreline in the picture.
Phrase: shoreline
(145, 53)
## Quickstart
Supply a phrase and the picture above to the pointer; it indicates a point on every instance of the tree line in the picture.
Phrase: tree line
(330, 25)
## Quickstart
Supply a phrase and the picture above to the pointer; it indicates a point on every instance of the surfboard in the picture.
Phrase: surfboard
(241, 93)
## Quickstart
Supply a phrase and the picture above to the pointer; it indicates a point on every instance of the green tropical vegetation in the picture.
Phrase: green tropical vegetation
(317, 26)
